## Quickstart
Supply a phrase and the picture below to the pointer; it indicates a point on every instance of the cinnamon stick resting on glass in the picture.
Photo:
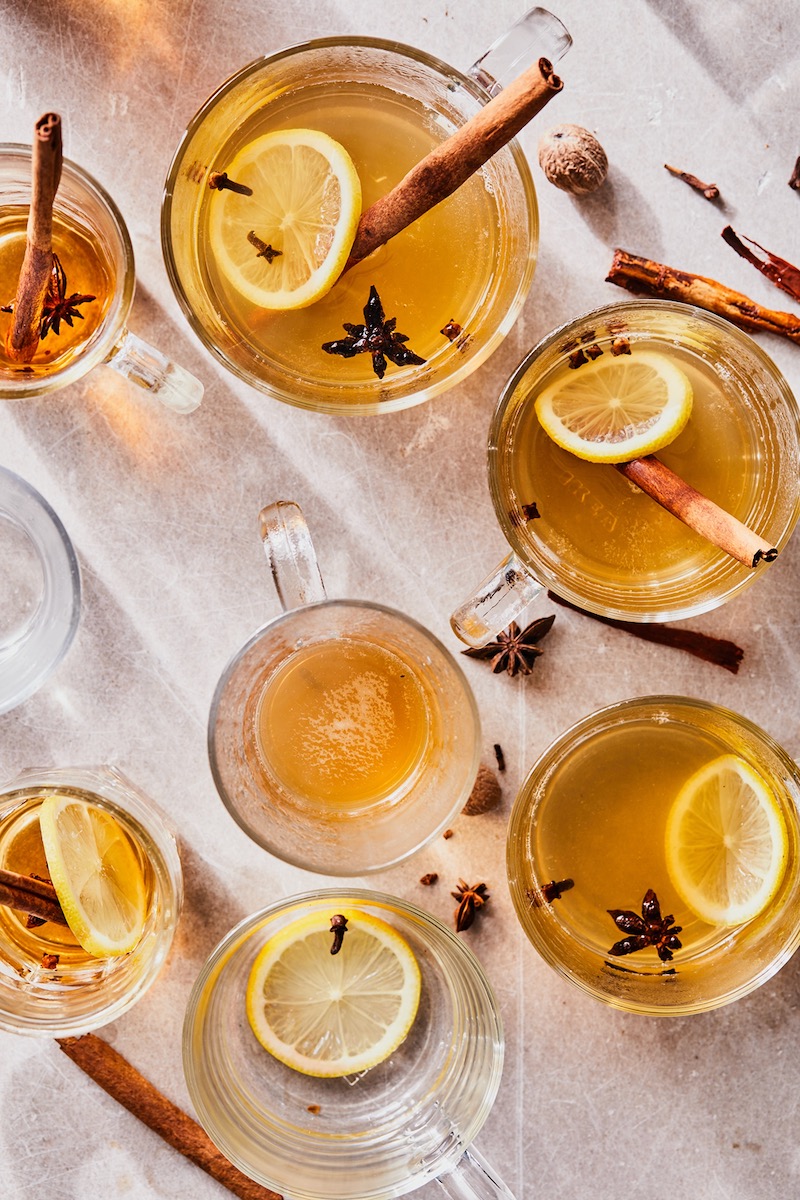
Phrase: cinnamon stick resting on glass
(126, 1085)
(643, 276)
(37, 264)
(451, 163)
(702, 515)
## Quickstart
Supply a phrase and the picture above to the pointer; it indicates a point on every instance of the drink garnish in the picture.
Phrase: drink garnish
(329, 1017)
(219, 181)
(263, 249)
(338, 929)
(377, 337)
(471, 898)
(548, 892)
(649, 929)
(58, 306)
(514, 649)
(451, 330)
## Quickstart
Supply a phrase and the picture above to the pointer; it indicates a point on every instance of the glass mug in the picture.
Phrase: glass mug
(389, 105)
(595, 539)
(592, 822)
(40, 590)
(93, 242)
(408, 1120)
(343, 736)
(81, 992)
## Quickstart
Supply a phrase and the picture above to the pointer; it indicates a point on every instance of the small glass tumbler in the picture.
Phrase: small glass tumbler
(343, 736)
(408, 1120)
(40, 590)
(593, 832)
(80, 993)
(83, 205)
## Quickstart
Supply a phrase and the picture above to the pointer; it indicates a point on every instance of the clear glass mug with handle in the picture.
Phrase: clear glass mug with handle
(91, 236)
(343, 736)
(454, 281)
(587, 532)
(406, 1121)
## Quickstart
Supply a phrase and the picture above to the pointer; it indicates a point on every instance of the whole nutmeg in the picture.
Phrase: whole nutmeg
(573, 159)
(486, 793)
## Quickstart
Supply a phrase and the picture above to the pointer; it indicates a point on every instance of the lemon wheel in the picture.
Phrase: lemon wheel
(615, 409)
(330, 1015)
(726, 842)
(97, 875)
(284, 246)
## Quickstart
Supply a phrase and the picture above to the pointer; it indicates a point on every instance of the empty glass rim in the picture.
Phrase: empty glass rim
(36, 651)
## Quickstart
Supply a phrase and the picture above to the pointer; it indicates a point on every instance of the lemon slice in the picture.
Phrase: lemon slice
(615, 409)
(329, 1015)
(97, 875)
(726, 842)
(306, 203)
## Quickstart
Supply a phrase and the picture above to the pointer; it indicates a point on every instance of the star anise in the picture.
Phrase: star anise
(377, 337)
(514, 649)
(58, 306)
(470, 899)
(650, 929)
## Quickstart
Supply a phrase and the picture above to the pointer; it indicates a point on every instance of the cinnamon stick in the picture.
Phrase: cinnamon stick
(126, 1085)
(37, 264)
(644, 276)
(719, 651)
(697, 511)
(30, 895)
(451, 163)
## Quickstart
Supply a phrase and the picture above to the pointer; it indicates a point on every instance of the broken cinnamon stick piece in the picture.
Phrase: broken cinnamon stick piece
(126, 1085)
(780, 272)
(719, 651)
(646, 277)
(452, 162)
(37, 264)
(34, 896)
(702, 515)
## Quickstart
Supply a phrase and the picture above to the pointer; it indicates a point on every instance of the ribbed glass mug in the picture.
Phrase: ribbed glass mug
(408, 1120)
(89, 222)
(343, 736)
(454, 281)
(585, 531)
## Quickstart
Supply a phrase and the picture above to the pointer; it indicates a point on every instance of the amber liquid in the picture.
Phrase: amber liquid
(600, 820)
(434, 272)
(343, 724)
(88, 272)
(21, 948)
(604, 541)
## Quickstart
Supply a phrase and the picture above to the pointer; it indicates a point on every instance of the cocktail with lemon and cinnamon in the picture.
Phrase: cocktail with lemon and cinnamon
(263, 203)
(693, 406)
(90, 893)
(653, 855)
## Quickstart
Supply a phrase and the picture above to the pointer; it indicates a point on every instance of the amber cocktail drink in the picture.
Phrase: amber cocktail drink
(464, 268)
(653, 855)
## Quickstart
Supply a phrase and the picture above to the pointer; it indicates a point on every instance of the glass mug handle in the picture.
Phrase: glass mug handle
(538, 34)
(472, 1178)
(142, 364)
(498, 601)
(291, 555)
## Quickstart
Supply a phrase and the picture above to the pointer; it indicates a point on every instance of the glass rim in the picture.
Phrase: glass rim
(252, 641)
(544, 575)
(114, 321)
(285, 394)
